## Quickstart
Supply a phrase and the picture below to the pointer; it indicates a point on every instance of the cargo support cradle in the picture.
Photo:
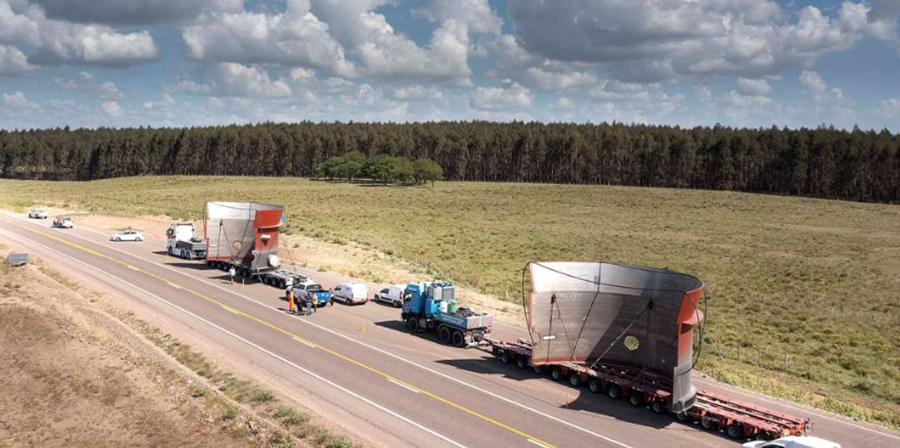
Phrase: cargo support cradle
(711, 410)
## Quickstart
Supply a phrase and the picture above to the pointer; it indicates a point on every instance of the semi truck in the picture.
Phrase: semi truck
(432, 307)
(181, 241)
(628, 332)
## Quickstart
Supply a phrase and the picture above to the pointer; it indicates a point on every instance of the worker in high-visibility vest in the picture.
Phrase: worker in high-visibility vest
(290, 295)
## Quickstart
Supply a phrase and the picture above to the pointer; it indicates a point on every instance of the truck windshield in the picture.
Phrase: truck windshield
(314, 288)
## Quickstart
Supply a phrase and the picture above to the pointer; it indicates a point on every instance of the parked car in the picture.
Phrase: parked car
(63, 222)
(792, 442)
(38, 213)
(127, 235)
(309, 289)
(392, 294)
(351, 293)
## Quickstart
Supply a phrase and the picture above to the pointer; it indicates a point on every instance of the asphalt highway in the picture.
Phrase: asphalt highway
(359, 368)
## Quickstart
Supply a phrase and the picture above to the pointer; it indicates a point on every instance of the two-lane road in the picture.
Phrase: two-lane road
(358, 367)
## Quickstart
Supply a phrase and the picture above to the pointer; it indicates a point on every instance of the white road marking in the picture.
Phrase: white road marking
(276, 356)
(402, 385)
(537, 443)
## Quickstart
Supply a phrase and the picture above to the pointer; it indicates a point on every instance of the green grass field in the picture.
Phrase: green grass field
(816, 280)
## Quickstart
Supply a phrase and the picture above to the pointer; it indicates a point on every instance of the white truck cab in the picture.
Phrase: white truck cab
(181, 241)
(793, 442)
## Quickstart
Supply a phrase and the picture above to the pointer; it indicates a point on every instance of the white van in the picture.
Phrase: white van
(392, 294)
(351, 293)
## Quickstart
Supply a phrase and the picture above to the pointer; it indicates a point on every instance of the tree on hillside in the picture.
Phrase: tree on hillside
(427, 170)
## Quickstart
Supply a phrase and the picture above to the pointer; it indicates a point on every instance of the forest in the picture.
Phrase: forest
(825, 162)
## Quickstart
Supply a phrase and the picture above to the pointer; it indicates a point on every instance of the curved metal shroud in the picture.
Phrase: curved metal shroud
(584, 313)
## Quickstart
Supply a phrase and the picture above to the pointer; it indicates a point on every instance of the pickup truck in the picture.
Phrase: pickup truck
(38, 213)
(304, 291)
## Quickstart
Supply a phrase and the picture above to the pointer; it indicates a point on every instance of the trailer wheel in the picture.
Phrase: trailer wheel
(575, 379)
(445, 334)
(539, 370)
(635, 398)
(682, 416)
(412, 324)
(504, 356)
(614, 391)
(459, 339)
(658, 407)
(521, 362)
(595, 385)
(735, 430)
(709, 424)
(556, 373)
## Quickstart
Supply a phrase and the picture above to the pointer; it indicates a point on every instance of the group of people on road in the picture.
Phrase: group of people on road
(305, 307)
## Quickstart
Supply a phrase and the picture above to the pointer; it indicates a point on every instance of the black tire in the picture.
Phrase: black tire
(575, 380)
(412, 324)
(444, 334)
(504, 356)
(635, 398)
(614, 391)
(118, 240)
(556, 373)
(708, 424)
(539, 370)
(521, 361)
(682, 416)
(459, 339)
(138, 239)
(735, 430)
(595, 385)
(658, 407)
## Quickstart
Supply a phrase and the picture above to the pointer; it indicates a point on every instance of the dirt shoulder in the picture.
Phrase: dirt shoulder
(68, 380)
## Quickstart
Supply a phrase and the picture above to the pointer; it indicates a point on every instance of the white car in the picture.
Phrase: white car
(392, 295)
(351, 293)
(792, 442)
(63, 222)
(38, 213)
(128, 235)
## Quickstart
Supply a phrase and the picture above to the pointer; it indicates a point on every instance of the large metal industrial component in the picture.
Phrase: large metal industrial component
(637, 318)
(243, 233)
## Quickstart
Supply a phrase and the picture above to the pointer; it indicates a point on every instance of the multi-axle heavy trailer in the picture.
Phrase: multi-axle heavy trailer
(628, 332)
(244, 235)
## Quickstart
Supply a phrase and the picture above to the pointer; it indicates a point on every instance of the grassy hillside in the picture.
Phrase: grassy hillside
(816, 280)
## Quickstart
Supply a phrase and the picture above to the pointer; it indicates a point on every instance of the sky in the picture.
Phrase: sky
(174, 63)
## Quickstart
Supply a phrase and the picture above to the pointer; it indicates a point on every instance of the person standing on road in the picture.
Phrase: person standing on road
(231, 274)
(309, 305)
(290, 295)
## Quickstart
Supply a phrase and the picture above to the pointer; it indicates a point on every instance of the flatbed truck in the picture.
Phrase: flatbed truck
(432, 307)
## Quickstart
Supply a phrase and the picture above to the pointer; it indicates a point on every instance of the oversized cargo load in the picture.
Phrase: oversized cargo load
(638, 318)
(244, 234)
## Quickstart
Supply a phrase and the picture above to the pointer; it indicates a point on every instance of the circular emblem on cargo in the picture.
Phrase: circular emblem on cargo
(237, 246)
(632, 342)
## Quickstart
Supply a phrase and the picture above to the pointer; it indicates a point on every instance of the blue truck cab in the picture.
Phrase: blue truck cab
(432, 306)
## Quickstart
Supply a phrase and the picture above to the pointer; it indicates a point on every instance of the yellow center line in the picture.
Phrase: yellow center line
(295, 337)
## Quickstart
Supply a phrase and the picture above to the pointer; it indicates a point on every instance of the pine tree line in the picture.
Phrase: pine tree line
(824, 162)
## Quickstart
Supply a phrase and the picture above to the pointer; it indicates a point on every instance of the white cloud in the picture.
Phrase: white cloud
(510, 96)
(134, 12)
(18, 101)
(738, 100)
(704, 93)
(559, 80)
(64, 42)
(166, 103)
(753, 86)
(240, 80)
(654, 39)
(814, 85)
(112, 109)
(890, 108)
(477, 15)
(12, 61)
(294, 38)
(418, 92)
(564, 103)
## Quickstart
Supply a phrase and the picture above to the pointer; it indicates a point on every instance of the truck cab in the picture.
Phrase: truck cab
(432, 306)
(181, 242)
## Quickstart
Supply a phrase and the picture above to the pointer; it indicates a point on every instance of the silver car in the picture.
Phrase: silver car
(127, 235)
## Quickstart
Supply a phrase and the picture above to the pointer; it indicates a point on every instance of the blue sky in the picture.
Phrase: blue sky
(115, 63)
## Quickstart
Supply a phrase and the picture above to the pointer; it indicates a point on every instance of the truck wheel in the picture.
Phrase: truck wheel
(539, 370)
(575, 379)
(595, 385)
(614, 391)
(504, 356)
(459, 339)
(444, 334)
(682, 416)
(735, 430)
(658, 407)
(708, 424)
(635, 398)
(412, 324)
(556, 373)
(521, 362)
